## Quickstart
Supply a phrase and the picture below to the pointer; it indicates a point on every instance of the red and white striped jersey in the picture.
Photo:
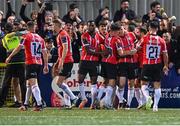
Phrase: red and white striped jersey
(33, 45)
(93, 42)
(64, 38)
(152, 46)
(113, 44)
(127, 44)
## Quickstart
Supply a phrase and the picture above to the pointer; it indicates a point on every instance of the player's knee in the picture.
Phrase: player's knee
(131, 83)
(32, 81)
(157, 85)
(122, 84)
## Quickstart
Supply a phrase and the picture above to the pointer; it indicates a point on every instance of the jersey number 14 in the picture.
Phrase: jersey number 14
(36, 49)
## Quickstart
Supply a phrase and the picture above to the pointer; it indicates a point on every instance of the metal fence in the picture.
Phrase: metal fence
(89, 8)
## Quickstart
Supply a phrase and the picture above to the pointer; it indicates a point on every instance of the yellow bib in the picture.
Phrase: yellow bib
(10, 43)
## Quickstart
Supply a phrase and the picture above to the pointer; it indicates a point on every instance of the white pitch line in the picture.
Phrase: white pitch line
(24, 116)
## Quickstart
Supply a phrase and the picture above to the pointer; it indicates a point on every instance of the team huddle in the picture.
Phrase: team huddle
(125, 51)
(137, 57)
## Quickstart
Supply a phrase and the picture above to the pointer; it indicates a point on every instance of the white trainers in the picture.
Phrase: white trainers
(155, 108)
(149, 103)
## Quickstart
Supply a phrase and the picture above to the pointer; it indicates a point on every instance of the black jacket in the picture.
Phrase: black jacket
(130, 15)
(66, 18)
(22, 14)
(146, 18)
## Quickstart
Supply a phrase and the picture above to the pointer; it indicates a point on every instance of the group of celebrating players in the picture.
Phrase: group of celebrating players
(134, 55)
(118, 51)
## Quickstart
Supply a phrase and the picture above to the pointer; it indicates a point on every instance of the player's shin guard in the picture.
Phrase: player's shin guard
(93, 93)
(120, 94)
(145, 91)
(28, 94)
(130, 95)
(109, 92)
(37, 94)
(82, 91)
(138, 95)
(67, 99)
(100, 92)
(157, 95)
(68, 91)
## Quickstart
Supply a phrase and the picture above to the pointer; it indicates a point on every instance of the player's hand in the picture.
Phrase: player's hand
(7, 60)
(133, 51)
(60, 66)
(45, 69)
(55, 70)
(165, 70)
(76, 10)
(39, 1)
(108, 50)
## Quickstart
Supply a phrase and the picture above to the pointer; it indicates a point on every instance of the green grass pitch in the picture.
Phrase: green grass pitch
(56, 116)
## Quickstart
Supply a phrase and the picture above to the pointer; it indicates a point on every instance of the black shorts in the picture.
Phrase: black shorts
(33, 71)
(16, 70)
(66, 71)
(139, 73)
(90, 67)
(151, 72)
(108, 70)
(136, 69)
(126, 70)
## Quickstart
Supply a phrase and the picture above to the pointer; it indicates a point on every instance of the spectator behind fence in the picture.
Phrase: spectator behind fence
(73, 14)
(154, 13)
(9, 13)
(103, 14)
(171, 48)
(52, 51)
(34, 13)
(176, 36)
(124, 12)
